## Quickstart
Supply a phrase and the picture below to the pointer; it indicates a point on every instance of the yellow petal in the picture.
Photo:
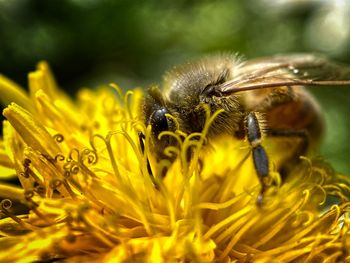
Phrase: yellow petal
(6, 165)
(52, 115)
(8, 227)
(12, 145)
(42, 79)
(5, 160)
(7, 173)
(11, 92)
(36, 81)
(11, 192)
(31, 131)
(50, 83)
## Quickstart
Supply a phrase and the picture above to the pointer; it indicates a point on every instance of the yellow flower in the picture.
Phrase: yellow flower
(86, 194)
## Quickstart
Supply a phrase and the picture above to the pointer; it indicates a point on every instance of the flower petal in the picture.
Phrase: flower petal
(11, 92)
(6, 165)
(31, 131)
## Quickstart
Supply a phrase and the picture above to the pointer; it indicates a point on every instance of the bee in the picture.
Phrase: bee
(259, 97)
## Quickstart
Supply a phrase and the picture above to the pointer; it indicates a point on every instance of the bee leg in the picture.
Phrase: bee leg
(261, 161)
(261, 164)
(149, 169)
(301, 150)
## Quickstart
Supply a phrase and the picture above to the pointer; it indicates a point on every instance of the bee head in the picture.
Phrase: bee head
(155, 113)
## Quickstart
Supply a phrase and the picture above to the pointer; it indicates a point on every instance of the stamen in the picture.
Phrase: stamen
(71, 166)
(28, 172)
(107, 142)
(59, 158)
(40, 189)
(5, 205)
(177, 125)
(127, 97)
(29, 194)
(56, 183)
(26, 162)
(99, 231)
(173, 135)
(117, 89)
(89, 155)
(58, 138)
(67, 174)
(23, 174)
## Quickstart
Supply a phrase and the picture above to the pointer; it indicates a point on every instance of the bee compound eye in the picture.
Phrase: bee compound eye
(159, 121)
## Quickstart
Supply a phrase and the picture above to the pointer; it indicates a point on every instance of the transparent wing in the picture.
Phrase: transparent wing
(289, 70)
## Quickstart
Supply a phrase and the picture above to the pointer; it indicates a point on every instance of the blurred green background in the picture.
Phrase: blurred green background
(92, 42)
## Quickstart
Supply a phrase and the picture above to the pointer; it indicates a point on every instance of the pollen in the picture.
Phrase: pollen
(86, 194)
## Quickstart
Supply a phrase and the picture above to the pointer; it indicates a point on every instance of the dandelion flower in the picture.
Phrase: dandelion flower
(86, 193)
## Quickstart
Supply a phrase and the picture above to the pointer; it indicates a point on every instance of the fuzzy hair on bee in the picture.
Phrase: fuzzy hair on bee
(186, 88)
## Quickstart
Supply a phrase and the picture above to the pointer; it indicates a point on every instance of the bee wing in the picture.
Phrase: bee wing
(289, 70)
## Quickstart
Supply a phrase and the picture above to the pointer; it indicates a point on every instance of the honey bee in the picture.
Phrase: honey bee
(260, 97)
